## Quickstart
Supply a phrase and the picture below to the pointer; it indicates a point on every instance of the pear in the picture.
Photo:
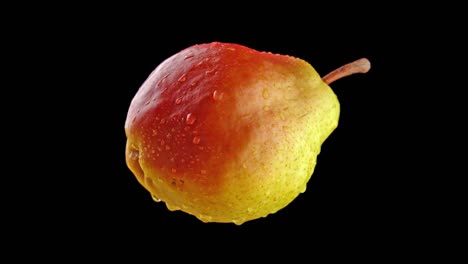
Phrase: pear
(230, 134)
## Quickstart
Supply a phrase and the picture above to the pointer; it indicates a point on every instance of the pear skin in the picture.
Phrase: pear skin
(229, 134)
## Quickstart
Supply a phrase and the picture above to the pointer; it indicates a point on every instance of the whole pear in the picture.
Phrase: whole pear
(228, 133)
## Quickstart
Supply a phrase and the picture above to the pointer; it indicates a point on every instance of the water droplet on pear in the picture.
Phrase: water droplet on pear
(155, 198)
(217, 95)
(265, 93)
(182, 78)
(190, 119)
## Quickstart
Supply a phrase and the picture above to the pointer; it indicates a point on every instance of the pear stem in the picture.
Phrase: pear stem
(358, 66)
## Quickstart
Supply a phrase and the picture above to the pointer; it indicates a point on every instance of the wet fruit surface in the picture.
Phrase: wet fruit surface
(227, 133)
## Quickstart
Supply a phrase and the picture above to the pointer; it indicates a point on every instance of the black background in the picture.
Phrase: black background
(349, 194)
(361, 198)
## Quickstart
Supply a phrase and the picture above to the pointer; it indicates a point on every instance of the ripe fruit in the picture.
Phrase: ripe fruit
(230, 134)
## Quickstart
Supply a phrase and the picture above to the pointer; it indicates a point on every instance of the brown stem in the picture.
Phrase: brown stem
(358, 66)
